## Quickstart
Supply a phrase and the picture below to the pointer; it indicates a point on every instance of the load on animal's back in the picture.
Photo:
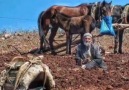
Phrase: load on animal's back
(26, 74)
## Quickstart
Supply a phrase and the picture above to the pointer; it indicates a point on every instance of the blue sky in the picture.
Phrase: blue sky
(23, 14)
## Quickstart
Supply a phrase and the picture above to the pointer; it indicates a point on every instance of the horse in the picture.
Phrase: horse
(117, 14)
(26, 74)
(45, 19)
(74, 25)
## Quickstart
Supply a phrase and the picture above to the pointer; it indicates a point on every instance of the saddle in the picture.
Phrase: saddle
(10, 74)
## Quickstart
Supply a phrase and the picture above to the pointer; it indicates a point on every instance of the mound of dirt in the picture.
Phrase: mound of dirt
(67, 74)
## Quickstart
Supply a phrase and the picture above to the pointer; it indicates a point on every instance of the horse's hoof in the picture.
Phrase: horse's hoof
(53, 53)
(115, 52)
(40, 52)
(120, 52)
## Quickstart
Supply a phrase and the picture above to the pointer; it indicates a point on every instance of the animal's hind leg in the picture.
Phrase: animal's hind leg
(51, 39)
(120, 40)
(68, 42)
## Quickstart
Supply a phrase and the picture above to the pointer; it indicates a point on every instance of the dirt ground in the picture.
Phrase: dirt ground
(67, 75)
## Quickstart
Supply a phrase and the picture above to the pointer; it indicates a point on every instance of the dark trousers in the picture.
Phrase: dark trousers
(96, 62)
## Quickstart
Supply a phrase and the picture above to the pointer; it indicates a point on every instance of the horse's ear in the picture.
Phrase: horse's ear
(54, 13)
(110, 3)
(103, 3)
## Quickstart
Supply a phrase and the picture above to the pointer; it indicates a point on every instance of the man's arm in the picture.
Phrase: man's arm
(98, 54)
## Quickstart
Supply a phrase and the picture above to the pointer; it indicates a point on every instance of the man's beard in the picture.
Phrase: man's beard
(87, 44)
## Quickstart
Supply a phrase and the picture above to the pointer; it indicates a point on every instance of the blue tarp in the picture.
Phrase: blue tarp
(106, 26)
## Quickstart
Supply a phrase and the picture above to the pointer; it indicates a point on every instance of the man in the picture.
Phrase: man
(89, 55)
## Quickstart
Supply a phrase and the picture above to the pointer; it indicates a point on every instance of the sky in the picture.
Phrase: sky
(20, 15)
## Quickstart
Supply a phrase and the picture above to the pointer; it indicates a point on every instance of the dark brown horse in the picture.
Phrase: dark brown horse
(74, 25)
(45, 19)
(117, 14)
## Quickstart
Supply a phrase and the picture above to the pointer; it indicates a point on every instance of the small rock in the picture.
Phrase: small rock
(3, 38)
(109, 87)
(7, 35)
(18, 34)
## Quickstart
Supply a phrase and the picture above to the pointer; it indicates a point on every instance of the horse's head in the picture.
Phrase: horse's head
(105, 8)
(117, 10)
(102, 9)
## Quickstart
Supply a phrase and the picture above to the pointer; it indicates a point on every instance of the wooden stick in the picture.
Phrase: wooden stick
(116, 24)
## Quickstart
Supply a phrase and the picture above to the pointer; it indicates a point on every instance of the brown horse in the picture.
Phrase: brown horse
(117, 14)
(74, 25)
(45, 19)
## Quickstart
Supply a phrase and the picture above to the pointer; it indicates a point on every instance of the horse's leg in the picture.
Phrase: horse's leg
(67, 42)
(120, 41)
(116, 42)
(51, 39)
(70, 42)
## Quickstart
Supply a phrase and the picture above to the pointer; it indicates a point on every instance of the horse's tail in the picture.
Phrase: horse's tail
(40, 28)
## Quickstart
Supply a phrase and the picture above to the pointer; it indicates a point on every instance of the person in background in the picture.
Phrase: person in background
(88, 54)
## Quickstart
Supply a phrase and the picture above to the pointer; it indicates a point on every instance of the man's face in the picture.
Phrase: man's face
(87, 40)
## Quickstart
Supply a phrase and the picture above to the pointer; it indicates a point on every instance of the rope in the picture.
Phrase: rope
(4, 76)
(45, 77)
(19, 78)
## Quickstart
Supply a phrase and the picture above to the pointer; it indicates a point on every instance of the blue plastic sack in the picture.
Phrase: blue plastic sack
(106, 26)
